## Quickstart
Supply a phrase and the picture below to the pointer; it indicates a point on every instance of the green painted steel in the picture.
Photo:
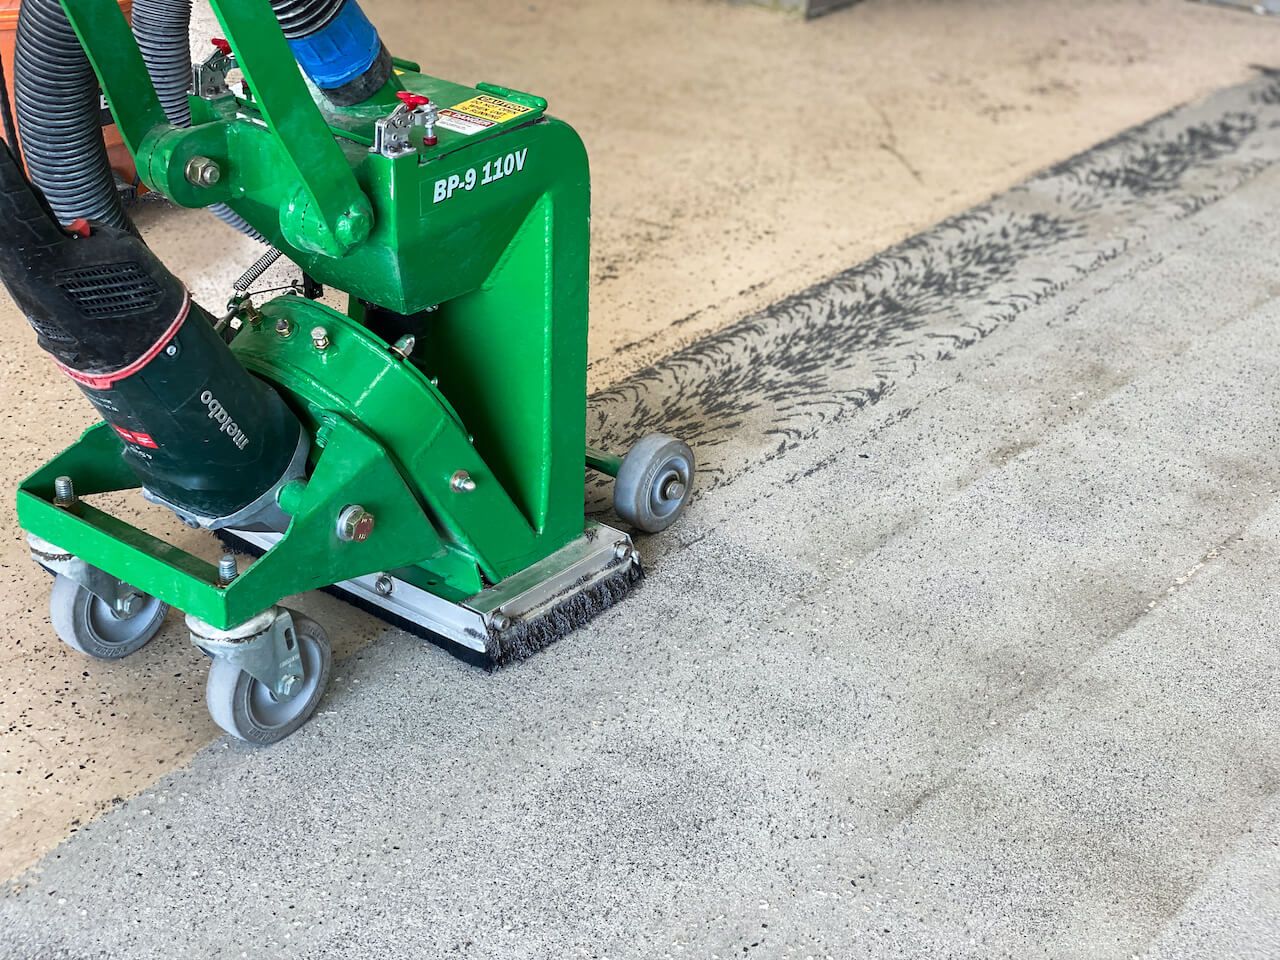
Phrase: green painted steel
(481, 240)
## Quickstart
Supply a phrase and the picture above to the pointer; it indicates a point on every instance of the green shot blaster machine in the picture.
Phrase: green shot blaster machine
(422, 453)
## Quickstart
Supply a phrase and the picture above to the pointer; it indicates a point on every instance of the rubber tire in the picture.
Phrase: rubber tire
(237, 701)
(637, 492)
(80, 620)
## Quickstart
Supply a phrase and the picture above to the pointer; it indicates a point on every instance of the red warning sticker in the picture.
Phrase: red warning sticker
(135, 437)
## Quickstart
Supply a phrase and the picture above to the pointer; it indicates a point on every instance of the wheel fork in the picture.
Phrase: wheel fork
(265, 647)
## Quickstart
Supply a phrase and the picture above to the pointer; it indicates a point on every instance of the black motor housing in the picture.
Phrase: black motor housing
(202, 434)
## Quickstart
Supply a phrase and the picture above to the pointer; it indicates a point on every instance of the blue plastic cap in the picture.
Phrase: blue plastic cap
(342, 51)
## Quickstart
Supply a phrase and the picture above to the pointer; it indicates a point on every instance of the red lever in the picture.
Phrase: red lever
(412, 100)
(224, 46)
(79, 227)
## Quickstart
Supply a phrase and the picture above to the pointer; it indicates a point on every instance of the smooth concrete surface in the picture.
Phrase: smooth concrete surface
(965, 649)
(738, 156)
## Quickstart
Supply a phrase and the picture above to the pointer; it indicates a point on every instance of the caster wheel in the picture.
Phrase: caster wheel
(248, 710)
(91, 626)
(654, 483)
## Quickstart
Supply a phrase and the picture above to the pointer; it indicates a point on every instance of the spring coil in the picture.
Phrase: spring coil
(260, 266)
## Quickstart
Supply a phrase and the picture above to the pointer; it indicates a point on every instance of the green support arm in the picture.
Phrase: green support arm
(327, 212)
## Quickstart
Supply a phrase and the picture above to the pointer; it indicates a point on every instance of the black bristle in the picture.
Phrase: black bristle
(519, 641)
(524, 638)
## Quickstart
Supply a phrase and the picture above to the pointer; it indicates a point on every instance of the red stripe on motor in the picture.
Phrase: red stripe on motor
(104, 381)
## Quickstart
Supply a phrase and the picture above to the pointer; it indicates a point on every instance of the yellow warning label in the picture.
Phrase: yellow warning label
(492, 109)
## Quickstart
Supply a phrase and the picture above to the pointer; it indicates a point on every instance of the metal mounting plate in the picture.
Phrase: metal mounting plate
(573, 569)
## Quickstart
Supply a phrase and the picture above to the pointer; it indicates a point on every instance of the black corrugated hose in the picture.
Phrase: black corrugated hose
(59, 118)
(162, 29)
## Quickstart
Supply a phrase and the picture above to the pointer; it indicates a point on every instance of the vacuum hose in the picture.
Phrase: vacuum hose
(203, 436)
(161, 28)
(59, 118)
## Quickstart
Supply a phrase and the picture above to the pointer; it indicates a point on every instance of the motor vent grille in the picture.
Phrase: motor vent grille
(109, 289)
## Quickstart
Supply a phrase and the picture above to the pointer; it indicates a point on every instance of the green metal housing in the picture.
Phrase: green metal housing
(485, 233)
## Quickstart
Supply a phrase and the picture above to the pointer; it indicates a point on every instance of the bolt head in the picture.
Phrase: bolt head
(320, 337)
(622, 549)
(499, 620)
(462, 482)
(287, 685)
(284, 328)
(355, 524)
(384, 585)
(673, 489)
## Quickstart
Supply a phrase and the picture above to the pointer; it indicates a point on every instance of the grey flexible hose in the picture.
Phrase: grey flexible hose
(162, 29)
(59, 118)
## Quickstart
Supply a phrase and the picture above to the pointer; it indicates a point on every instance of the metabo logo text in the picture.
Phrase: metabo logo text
(220, 416)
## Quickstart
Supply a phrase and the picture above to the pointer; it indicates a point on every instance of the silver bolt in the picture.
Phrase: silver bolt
(171, 350)
(228, 570)
(384, 585)
(203, 172)
(622, 549)
(355, 523)
(64, 492)
(462, 482)
(284, 327)
(287, 683)
(499, 620)
(673, 489)
(320, 337)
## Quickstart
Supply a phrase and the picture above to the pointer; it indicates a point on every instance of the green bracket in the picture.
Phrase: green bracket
(353, 468)
(327, 213)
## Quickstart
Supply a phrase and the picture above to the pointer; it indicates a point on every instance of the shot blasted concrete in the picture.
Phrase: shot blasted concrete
(966, 652)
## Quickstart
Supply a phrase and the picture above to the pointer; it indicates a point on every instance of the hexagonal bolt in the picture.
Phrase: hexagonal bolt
(355, 523)
(499, 620)
(384, 586)
(622, 549)
(64, 492)
(320, 338)
(203, 172)
(462, 482)
(287, 684)
(284, 328)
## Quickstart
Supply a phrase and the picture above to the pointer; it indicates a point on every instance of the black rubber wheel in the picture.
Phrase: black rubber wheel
(250, 711)
(91, 626)
(655, 483)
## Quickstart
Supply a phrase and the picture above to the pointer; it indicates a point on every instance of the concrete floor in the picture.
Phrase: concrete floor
(961, 652)
(1047, 411)
(738, 156)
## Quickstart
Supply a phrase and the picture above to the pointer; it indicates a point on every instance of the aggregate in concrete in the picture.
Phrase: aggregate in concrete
(972, 660)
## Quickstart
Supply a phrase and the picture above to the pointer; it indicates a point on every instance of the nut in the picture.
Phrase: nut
(462, 482)
(203, 172)
(320, 338)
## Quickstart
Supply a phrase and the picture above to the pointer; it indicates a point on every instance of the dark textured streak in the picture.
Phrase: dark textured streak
(752, 391)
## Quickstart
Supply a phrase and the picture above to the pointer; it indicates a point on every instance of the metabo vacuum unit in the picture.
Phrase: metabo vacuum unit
(423, 453)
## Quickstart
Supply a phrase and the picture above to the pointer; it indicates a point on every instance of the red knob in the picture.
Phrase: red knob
(224, 47)
(412, 100)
